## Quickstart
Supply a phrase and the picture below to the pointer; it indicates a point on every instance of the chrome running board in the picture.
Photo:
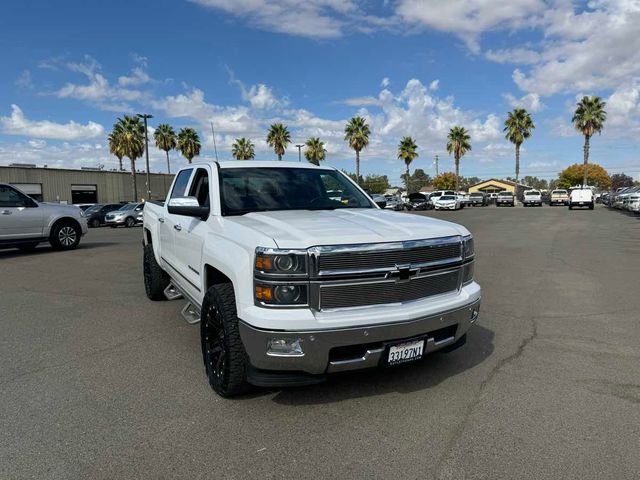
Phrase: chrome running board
(172, 293)
(191, 313)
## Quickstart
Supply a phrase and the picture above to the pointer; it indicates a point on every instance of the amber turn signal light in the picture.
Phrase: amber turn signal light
(264, 263)
(264, 294)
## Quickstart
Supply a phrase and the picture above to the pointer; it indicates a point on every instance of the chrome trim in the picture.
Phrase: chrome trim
(386, 246)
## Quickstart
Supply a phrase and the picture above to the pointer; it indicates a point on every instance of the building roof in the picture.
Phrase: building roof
(495, 180)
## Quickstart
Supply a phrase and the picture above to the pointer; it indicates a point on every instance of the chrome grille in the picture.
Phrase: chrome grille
(389, 291)
(381, 259)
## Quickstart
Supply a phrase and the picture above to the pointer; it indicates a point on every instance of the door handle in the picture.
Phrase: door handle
(6, 212)
(178, 227)
(161, 220)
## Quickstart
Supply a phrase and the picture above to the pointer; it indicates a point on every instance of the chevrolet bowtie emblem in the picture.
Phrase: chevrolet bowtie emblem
(402, 273)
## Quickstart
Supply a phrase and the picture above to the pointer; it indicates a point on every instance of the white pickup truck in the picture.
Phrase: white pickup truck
(291, 284)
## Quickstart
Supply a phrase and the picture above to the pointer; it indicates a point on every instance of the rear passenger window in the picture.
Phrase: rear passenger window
(180, 184)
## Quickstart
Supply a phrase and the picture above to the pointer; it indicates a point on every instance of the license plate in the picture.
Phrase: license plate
(405, 352)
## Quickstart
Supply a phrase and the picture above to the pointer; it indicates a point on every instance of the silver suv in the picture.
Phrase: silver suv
(126, 215)
(24, 223)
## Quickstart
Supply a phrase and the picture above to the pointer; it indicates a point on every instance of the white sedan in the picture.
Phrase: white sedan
(446, 202)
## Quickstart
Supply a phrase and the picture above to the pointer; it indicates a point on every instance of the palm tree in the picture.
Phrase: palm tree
(407, 151)
(518, 127)
(115, 148)
(356, 133)
(458, 144)
(278, 138)
(165, 137)
(129, 132)
(188, 143)
(588, 119)
(243, 149)
(315, 151)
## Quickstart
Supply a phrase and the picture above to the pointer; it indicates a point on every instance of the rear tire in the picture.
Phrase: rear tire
(94, 223)
(155, 278)
(129, 222)
(65, 235)
(223, 353)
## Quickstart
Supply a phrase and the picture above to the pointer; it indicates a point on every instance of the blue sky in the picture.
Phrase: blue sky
(411, 67)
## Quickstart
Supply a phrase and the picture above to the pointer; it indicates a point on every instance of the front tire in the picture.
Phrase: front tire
(129, 222)
(65, 235)
(223, 353)
(155, 278)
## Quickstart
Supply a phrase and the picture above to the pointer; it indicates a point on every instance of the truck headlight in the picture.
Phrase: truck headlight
(468, 249)
(281, 262)
(286, 295)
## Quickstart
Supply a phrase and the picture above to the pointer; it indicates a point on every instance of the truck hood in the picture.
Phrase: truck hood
(308, 228)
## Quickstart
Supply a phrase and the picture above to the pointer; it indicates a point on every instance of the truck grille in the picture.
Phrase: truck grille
(389, 291)
(382, 259)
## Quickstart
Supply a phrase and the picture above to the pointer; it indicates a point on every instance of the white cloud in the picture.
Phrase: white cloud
(361, 101)
(385, 82)
(137, 77)
(530, 101)
(259, 96)
(24, 80)
(434, 85)
(311, 18)
(468, 19)
(18, 124)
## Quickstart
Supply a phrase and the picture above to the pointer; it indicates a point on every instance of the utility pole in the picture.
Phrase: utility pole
(145, 117)
(299, 145)
(436, 158)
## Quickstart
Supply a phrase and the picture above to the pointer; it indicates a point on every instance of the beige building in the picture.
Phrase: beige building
(83, 186)
(494, 186)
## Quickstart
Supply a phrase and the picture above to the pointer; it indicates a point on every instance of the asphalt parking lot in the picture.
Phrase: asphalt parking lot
(98, 382)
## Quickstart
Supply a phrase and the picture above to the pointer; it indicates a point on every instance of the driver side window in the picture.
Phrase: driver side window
(181, 183)
(12, 198)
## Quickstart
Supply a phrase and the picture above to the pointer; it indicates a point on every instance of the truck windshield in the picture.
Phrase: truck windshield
(559, 192)
(246, 190)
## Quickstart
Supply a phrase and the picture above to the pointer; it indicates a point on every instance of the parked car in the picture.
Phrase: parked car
(418, 201)
(24, 223)
(505, 199)
(581, 197)
(478, 199)
(96, 215)
(84, 206)
(634, 203)
(380, 200)
(559, 197)
(532, 198)
(290, 288)
(394, 203)
(463, 198)
(126, 215)
(447, 202)
(492, 197)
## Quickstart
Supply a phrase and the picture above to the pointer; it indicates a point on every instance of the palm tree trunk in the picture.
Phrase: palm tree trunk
(457, 172)
(586, 160)
(168, 164)
(406, 176)
(279, 157)
(358, 167)
(134, 183)
(517, 172)
(120, 162)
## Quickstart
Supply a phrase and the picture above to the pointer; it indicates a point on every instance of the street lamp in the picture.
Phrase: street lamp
(300, 145)
(145, 117)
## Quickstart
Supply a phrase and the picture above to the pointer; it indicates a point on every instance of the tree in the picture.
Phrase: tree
(446, 181)
(535, 182)
(573, 175)
(188, 143)
(458, 144)
(278, 138)
(129, 132)
(115, 147)
(417, 180)
(315, 151)
(165, 137)
(408, 152)
(466, 182)
(356, 134)
(518, 127)
(621, 180)
(371, 183)
(589, 119)
(243, 149)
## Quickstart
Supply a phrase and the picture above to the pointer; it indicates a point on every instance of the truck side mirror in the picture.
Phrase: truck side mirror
(188, 207)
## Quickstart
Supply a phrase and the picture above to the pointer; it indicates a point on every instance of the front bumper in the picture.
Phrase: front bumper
(362, 347)
(115, 221)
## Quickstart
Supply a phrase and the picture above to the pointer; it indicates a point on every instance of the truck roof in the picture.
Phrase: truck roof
(261, 164)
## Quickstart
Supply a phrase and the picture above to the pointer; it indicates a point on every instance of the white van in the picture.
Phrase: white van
(581, 197)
